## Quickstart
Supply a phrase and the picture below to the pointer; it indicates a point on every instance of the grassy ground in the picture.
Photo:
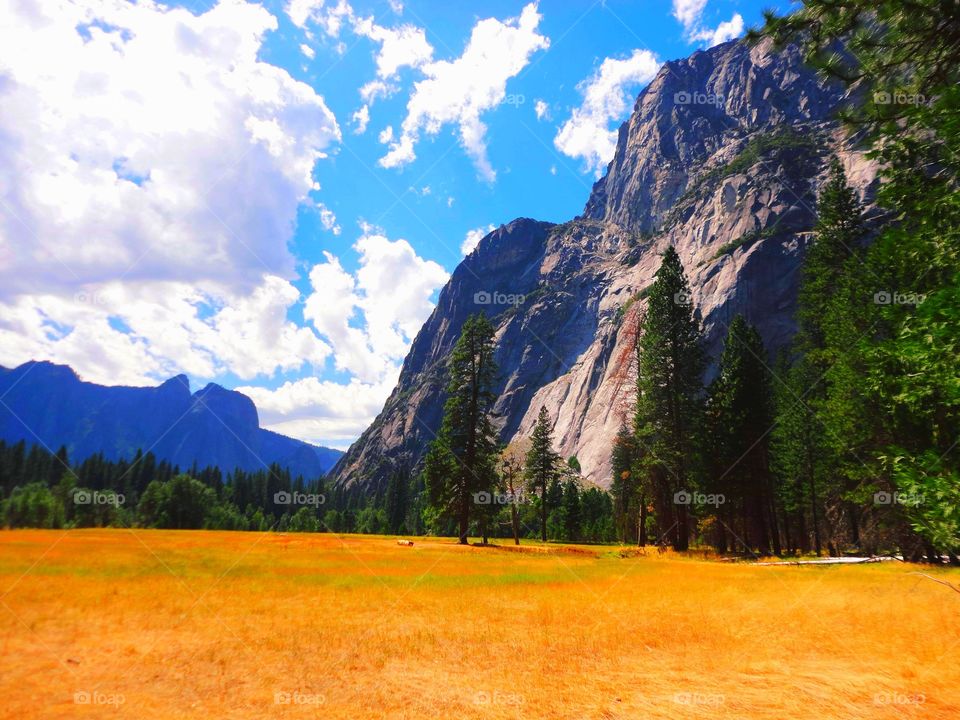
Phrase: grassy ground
(155, 624)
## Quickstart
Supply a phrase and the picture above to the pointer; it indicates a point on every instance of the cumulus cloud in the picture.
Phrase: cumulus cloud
(689, 13)
(169, 151)
(542, 110)
(136, 333)
(322, 412)
(474, 237)
(368, 317)
(729, 30)
(404, 46)
(458, 92)
(151, 171)
(607, 97)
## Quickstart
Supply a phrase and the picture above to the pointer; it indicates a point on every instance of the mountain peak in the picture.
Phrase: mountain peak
(716, 159)
(45, 402)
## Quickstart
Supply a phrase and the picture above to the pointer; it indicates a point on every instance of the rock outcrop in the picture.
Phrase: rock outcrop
(722, 158)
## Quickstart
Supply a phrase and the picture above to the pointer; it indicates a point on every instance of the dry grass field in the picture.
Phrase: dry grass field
(157, 624)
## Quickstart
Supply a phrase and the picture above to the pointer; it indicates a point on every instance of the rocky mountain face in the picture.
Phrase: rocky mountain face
(722, 158)
(47, 403)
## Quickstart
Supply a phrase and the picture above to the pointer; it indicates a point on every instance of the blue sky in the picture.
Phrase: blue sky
(269, 195)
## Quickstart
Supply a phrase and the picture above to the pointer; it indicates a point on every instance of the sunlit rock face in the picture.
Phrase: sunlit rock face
(722, 158)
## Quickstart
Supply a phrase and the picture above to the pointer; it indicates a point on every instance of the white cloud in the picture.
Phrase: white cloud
(136, 333)
(729, 30)
(474, 237)
(322, 412)
(396, 6)
(369, 318)
(689, 13)
(459, 91)
(308, 51)
(404, 46)
(386, 135)
(328, 219)
(151, 172)
(542, 110)
(168, 150)
(328, 16)
(606, 98)
(361, 118)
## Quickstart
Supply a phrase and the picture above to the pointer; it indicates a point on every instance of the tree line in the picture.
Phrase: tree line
(474, 486)
(847, 441)
(43, 489)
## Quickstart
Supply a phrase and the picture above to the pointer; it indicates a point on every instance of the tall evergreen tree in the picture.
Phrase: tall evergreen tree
(669, 394)
(542, 467)
(624, 487)
(838, 236)
(460, 461)
(396, 500)
(904, 59)
(739, 417)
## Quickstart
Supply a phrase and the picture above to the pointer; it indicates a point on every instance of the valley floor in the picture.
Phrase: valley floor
(163, 624)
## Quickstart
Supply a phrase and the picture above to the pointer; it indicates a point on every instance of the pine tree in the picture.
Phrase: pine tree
(460, 461)
(669, 394)
(797, 447)
(739, 418)
(396, 500)
(572, 516)
(838, 236)
(624, 486)
(542, 467)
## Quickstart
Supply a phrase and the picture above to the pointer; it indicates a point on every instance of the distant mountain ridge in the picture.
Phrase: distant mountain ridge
(41, 402)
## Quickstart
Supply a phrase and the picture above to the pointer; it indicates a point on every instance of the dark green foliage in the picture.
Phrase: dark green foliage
(182, 503)
(738, 423)
(461, 458)
(625, 486)
(669, 396)
(541, 470)
(744, 240)
(894, 383)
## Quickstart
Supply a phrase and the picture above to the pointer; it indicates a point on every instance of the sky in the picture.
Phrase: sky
(269, 195)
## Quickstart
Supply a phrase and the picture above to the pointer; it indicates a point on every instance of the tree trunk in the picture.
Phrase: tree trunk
(642, 529)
